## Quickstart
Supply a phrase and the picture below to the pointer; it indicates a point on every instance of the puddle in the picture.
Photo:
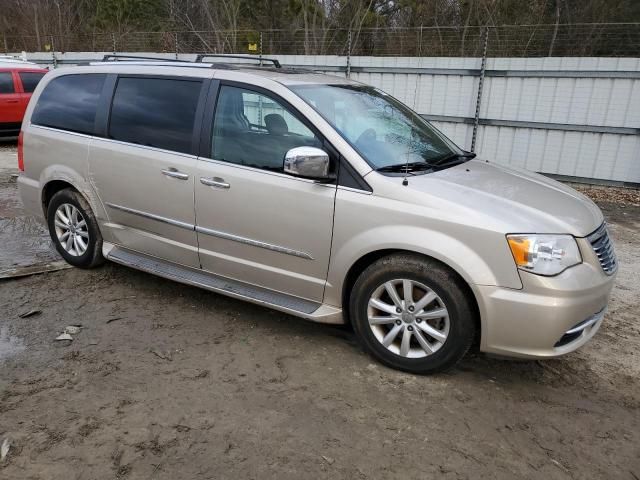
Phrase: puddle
(25, 243)
(10, 205)
(9, 344)
(26, 247)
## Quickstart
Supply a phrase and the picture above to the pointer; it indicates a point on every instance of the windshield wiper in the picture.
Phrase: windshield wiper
(452, 158)
(405, 167)
(443, 162)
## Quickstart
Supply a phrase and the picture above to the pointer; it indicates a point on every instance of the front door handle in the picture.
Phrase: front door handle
(214, 182)
(13, 101)
(174, 173)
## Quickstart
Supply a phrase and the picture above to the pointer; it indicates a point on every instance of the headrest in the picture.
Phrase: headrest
(276, 124)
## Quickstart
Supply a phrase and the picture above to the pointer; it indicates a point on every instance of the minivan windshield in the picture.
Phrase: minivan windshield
(383, 130)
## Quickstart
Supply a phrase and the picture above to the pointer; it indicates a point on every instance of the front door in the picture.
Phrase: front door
(255, 223)
(144, 171)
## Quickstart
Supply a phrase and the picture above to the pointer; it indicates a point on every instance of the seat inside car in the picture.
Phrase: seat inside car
(276, 124)
(261, 142)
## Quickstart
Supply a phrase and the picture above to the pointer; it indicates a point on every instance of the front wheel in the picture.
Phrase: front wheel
(412, 314)
(74, 229)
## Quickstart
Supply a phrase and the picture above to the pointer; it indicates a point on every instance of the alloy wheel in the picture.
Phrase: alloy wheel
(408, 318)
(71, 229)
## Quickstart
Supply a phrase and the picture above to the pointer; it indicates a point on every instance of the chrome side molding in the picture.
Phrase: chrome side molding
(152, 216)
(213, 233)
(254, 243)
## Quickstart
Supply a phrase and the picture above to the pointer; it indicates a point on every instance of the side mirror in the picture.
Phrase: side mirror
(307, 162)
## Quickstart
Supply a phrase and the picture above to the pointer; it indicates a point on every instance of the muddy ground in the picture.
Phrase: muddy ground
(170, 382)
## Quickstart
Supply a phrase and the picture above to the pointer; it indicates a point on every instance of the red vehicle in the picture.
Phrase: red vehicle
(17, 82)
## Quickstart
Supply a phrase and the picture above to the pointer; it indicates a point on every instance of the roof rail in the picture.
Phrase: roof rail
(115, 58)
(255, 58)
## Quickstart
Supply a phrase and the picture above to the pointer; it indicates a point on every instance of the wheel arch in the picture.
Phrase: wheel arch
(56, 179)
(361, 264)
(51, 188)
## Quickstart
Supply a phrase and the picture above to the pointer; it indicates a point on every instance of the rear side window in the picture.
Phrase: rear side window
(30, 80)
(70, 103)
(156, 112)
(6, 82)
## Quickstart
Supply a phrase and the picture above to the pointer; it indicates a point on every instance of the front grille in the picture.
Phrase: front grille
(604, 249)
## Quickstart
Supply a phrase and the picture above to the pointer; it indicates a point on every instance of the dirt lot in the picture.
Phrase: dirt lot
(167, 381)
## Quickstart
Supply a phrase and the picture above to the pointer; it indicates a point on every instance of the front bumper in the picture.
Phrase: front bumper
(549, 316)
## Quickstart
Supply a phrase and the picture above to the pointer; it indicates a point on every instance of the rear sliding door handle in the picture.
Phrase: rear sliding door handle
(174, 173)
(214, 182)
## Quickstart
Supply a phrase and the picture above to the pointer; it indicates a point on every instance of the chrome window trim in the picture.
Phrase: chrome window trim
(254, 243)
(266, 172)
(152, 216)
(354, 190)
(146, 147)
(53, 129)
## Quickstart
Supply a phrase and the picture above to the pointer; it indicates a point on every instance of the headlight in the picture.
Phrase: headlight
(544, 254)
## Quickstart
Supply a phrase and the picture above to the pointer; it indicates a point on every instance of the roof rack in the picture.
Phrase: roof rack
(275, 62)
(115, 58)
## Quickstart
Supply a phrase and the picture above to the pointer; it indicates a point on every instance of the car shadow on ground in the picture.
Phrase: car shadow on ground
(477, 365)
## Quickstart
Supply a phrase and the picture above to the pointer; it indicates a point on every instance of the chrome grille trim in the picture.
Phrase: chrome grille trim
(603, 248)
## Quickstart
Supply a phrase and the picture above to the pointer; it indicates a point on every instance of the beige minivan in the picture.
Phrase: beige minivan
(317, 196)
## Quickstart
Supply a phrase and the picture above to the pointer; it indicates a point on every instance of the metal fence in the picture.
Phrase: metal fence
(584, 39)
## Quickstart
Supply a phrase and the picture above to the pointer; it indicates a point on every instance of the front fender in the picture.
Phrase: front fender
(460, 257)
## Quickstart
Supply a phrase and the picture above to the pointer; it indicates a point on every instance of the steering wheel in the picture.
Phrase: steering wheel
(369, 135)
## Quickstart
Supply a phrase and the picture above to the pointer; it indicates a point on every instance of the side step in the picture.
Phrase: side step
(233, 288)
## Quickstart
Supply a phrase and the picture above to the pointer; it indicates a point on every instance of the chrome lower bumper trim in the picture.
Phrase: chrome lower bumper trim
(587, 323)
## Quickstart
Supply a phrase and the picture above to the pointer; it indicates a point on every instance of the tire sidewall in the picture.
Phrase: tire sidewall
(444, 283)
(94, 247)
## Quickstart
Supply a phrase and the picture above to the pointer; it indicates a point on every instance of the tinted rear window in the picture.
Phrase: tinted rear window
(30, 80)
(6, 82)
(70, 103)
(155, 112)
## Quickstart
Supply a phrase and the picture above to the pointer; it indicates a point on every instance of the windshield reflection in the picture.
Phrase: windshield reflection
(382, 129)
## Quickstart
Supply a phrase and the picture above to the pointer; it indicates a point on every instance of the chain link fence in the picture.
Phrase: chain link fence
(597, 39)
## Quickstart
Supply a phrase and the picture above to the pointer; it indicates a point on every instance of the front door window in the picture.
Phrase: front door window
(255, 130)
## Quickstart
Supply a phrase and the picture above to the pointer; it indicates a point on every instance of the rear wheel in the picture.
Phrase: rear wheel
(413, 314)
(74, 229)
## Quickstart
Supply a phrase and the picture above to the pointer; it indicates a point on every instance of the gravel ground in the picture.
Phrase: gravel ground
(617, 196)
(167, 381)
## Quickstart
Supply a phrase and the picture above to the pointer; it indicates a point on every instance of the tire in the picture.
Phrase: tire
(87, 233)
(446, 323)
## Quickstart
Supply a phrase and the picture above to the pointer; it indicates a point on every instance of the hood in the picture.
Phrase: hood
(513, 200)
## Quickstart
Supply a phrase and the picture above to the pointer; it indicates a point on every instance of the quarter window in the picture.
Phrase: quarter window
(30, 80)
(70, 103)
(6, 82)
(255, 130)
(156, 112)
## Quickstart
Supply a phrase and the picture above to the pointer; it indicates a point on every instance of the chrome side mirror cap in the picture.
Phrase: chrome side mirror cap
(307, 162)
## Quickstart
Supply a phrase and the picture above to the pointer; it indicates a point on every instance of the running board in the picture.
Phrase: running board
(278, 301)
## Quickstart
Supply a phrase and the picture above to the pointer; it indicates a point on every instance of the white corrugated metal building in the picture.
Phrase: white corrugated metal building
(568, 116)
